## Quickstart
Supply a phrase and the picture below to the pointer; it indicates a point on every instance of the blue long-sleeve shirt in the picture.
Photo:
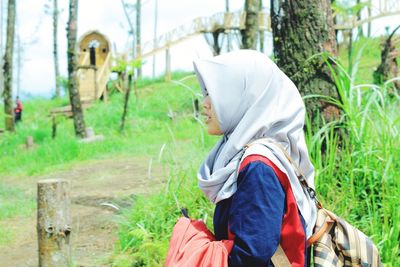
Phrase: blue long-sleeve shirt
(261, 215)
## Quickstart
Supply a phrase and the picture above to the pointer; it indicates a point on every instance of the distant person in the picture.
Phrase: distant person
(18, 110)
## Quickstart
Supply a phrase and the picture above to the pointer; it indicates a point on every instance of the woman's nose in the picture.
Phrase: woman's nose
(206, 102)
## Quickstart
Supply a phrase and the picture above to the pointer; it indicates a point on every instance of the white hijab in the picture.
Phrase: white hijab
(253, 98)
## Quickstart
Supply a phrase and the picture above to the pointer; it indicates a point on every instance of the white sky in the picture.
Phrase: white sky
(106, 16)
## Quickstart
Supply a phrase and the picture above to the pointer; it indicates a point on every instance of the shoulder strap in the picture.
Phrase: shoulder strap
(302, 178)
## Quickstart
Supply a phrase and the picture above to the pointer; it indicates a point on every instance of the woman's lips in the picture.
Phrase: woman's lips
(207, 117)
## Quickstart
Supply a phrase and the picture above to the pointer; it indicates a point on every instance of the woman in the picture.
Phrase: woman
(260, 203)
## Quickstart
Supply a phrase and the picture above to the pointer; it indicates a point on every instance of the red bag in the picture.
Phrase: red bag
(193, 245)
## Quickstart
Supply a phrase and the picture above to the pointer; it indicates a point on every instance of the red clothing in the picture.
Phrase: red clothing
(19, 105)
(260, 215)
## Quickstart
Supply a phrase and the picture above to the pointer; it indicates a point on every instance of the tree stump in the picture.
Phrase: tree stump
(89, 132)
(91, 136)
(29, 142)
(53, 223)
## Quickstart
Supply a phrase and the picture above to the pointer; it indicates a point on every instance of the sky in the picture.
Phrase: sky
(35, 31)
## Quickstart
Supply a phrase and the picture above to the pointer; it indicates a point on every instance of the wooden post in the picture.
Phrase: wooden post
(53, 223)
(126, 102)
(96, 86)
(29, 142)
(167, 65)
(89, 132)
(105, 94)
(53, 127)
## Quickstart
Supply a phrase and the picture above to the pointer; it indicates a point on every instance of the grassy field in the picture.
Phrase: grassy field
(359, 181)
(148, 129)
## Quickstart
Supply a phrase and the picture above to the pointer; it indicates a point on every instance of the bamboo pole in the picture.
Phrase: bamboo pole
(167, 65)
(53, 223)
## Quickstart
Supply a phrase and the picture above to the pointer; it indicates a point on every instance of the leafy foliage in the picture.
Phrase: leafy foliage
(357, 178)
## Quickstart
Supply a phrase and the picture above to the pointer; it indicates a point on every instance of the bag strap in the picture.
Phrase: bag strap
(302, 178)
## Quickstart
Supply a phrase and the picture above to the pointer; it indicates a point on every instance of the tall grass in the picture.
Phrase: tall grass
(357, 177)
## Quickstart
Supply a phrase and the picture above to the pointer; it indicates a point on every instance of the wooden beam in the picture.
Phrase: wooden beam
(356, 24)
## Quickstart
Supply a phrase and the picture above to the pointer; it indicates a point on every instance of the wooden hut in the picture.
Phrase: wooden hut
(94, 65)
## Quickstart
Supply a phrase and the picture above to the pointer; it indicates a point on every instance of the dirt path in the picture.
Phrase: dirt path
(94, 183)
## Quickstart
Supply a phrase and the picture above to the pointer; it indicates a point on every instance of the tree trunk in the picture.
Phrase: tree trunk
(54, 223)
(74, 97)
(138, 34)
(155, 34)
(388, 68)
(262, 33)
(369, 22)
(350, 51)
(228, 33)
(336, 31)
(126, 102)
(360, 28)
(55, 51)
(302, 29)
(19, 63)
(1, 50)
(250, 33)
(132, 31)
(8, 68)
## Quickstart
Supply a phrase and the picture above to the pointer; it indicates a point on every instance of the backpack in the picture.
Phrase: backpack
(336, 242)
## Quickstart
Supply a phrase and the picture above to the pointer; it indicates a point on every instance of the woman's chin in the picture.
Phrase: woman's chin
(212, 131)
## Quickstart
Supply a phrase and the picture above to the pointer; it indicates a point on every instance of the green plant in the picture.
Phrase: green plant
(358, 178)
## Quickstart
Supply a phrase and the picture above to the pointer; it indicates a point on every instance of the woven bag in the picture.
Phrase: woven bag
(338, 243)
(335, 242)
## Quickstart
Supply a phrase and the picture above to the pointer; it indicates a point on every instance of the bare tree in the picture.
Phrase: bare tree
(55, 50)
(228, 34)
(126, 102)
(360, 8)
(1, 49)
(262, 33)
(369, 22)
(295, 48)
(125, 7)
(8, 67)
(138, 33)
(250, 33)
(20, 50)
(74, 97)
(155, 34)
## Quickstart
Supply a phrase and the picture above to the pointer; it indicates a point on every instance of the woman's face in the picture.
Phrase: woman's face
(213, 127)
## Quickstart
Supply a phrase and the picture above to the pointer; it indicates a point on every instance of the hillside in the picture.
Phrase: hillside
(149, 170)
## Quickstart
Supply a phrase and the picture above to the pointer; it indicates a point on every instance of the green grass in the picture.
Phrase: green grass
(147, 123)
(13, 203)
(358, 179)
(147, 129)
